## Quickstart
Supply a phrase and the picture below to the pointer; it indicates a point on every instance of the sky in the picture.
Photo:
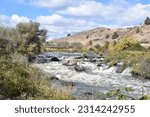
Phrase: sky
(61, 17)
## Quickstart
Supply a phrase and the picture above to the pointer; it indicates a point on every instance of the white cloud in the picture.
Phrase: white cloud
(56, 4)
(18, 19)
(70, 16)
(60, 21)
(58, 25)
(5, 20)
(12, 20)
(117, 12)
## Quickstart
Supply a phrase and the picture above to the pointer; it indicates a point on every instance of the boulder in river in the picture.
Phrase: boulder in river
(70, 62)
(79, 68)
(54, 59)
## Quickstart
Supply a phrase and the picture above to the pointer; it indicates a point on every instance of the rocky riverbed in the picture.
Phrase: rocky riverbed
(88, 78)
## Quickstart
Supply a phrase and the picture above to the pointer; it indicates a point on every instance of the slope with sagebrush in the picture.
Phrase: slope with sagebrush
(102, 35)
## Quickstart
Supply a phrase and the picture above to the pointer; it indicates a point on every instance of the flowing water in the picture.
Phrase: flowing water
(94, 80)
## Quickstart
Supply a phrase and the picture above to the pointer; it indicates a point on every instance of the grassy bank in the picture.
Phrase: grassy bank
(131, 54)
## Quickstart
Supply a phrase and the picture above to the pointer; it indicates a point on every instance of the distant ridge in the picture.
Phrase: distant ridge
(102, 35)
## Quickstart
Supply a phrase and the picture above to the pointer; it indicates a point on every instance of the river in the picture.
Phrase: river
(90, 81)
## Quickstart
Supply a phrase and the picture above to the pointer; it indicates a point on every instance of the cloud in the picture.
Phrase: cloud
(15, 18)
(60, 21)
(116, 12)
(58, 25)
(12, 20)
(70, 16)
(57, 4)
(5, 20)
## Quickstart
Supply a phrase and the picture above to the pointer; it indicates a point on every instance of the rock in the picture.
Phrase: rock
(101, 59)
(92, 60)
(54, 59)
(54, 78)
(79, 57)
(91, 55)
(85, 66)
(99, 64)
(79, 68)
(88, 93)
(71, 62)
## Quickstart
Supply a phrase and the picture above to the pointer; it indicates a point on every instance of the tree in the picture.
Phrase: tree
(31, 38)
(147, 21)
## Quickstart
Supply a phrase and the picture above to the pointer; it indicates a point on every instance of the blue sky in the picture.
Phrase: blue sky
(61, 17)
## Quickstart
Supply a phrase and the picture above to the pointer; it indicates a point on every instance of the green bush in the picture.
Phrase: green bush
(18, 81)
(127, 43)
(5, 46)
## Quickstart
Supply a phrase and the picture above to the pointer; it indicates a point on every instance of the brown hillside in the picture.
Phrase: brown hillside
(102, 35)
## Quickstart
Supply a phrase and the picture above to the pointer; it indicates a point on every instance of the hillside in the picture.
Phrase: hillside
(102, 35)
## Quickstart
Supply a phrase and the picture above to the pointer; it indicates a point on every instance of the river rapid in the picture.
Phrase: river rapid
(90, 79)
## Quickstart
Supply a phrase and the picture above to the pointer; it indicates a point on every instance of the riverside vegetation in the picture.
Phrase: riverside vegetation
(17, 79)
(20, 81)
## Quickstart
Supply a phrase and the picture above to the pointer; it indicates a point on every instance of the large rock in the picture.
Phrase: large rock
(54, 59)
(70, 62)
(85, 66)
(79, 68)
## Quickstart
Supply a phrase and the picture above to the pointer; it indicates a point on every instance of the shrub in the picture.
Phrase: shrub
(68, 35)
(146, 97)
(5, 46)
(92, 49)
(137, 30)
(147, 21)
(97, 46)
(18, 81)
(105, 47)
(115, 35)
(107, 36)
(87, 36)
(128, 43)
(91, 42)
